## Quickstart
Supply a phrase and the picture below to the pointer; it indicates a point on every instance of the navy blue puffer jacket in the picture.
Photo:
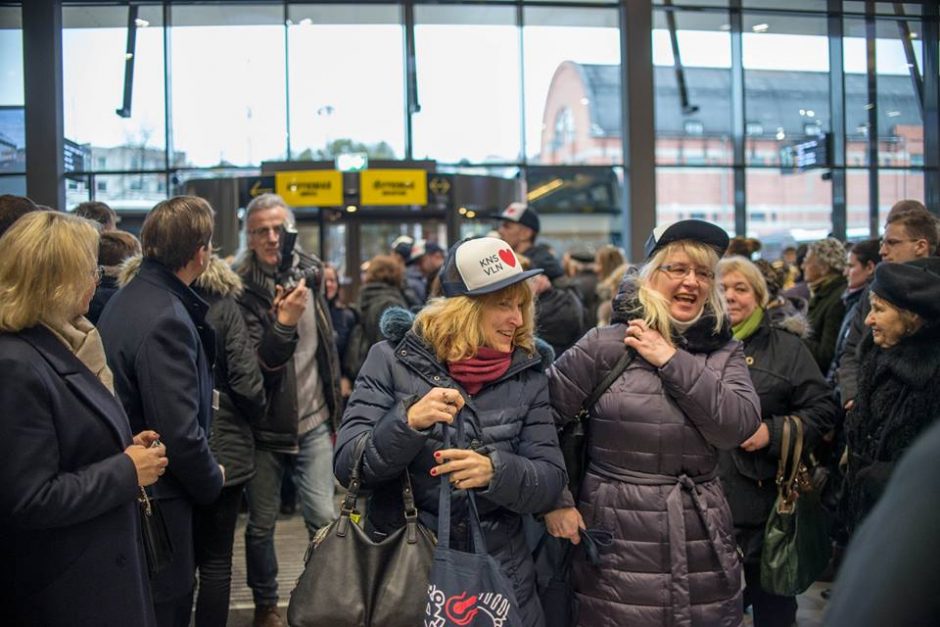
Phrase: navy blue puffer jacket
(509, 419)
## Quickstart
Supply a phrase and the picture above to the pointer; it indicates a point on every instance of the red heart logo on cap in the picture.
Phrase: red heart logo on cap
(507, 256)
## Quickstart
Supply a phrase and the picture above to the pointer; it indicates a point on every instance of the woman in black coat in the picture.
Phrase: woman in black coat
(897, 391)
(344, 318)
(789, 383)
(471, 357)
(71, 471)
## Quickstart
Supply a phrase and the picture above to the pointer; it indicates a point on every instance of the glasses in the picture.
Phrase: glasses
(678, 271)
(891, 243)
(266, 231)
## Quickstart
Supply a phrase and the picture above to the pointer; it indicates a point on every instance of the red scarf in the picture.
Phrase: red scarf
(473, 373)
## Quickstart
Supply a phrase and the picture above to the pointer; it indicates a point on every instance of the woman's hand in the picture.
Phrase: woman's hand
(564, 523)
(759, 440)
(146, 438)
(648, 343)
(438, 405)
(468, 469)
(150, 462)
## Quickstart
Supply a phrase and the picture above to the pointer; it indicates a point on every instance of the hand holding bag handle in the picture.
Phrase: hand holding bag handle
(351, 581)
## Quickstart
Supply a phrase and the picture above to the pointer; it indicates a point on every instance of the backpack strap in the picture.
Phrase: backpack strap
(607, 381)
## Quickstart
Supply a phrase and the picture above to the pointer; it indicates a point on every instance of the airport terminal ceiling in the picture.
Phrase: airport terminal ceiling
(508, 90)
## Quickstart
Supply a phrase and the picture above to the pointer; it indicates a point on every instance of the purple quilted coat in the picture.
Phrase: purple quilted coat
(654, 440)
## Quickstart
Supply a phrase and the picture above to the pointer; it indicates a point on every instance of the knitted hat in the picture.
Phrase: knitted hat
(830, 252)
(774, 276)
(481, 265)
(913, 286)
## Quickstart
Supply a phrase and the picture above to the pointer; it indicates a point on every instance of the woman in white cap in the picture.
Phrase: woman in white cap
(471, 352)
(652, 478)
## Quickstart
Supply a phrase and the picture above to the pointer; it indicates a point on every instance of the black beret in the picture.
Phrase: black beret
(913, 286)
(695, 230)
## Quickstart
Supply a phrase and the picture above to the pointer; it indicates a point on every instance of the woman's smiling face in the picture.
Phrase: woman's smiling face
(683, 283)
(500, 321)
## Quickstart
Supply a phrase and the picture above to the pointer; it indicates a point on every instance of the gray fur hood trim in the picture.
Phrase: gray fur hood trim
(218, 279)
(789, 318)
(396, 322)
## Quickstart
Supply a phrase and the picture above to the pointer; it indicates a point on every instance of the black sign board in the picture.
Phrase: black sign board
(805, 155)
(74, 155)
(251, 186)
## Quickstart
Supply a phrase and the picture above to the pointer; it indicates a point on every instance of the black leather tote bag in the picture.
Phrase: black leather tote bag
(350, 581)
(158, 548)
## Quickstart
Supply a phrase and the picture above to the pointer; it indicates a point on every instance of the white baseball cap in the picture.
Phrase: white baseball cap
(481, 265)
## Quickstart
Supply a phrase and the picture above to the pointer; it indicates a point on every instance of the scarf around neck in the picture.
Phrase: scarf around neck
(747, 327)
(81, 337)
(474, 372)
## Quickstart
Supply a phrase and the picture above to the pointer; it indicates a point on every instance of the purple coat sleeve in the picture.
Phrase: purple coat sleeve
(722, 405)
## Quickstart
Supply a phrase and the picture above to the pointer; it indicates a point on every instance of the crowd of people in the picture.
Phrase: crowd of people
(150, 375)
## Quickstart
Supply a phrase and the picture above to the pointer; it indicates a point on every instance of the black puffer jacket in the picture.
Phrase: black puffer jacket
(897, 401)
(789, 383)
(559, 318)
(238, 379)
(509, 419)
(274, 346)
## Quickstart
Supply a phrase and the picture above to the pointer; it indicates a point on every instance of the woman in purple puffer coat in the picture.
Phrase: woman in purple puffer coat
(654, 439)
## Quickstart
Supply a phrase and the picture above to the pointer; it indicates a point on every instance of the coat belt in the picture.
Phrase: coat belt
(679, 565)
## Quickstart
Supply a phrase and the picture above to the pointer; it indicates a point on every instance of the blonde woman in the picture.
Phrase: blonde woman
(654, 438)
(473, 352)
(71, 470)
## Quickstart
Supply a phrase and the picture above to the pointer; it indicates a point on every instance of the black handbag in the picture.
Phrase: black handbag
(158, 548)
(573, 437)
(796, 539)
(350, 581)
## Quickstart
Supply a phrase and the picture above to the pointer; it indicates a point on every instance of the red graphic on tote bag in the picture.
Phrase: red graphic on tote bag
(479, 610)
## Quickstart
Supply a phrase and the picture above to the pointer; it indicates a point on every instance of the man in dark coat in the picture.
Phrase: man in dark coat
(113, 248)
(559, 314)
(292, 335)
(161, 352)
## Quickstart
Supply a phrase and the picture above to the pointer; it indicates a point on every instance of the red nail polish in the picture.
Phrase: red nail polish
(437, 455)
(434, 471)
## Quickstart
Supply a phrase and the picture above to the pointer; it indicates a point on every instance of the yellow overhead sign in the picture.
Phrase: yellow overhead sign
(310, 188)
(393, 187)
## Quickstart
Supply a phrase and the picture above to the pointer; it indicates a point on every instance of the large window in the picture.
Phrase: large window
(693, 91)
(572, 86)
(704, 193)
(345, 80)
(468, 84)
(229, 96)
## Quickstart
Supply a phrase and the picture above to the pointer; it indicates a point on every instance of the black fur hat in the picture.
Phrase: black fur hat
(914, 286)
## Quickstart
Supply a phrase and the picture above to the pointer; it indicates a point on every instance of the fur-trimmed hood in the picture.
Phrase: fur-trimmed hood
(218, 279)
(396, 322)
(698, 338)
(788, 318)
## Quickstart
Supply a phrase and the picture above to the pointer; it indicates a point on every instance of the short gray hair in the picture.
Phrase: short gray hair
(267, 201)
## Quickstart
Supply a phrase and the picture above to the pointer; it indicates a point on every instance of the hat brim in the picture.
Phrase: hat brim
(699, 231)
(489, 289)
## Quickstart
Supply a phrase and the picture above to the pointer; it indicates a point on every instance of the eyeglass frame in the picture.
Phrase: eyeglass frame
(669, 268)
(891, 243)
(262, 231)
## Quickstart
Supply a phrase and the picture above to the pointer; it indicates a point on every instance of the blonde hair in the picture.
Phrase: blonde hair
(453, 326)
(46, 262)
(751, 274)
(656, 306)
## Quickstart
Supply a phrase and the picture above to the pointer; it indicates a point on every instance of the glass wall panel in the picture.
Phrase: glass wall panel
(12, 124)
(346, 81)
(695, 193)
(131, 192)
(572, 86)
(786, 83)
(94, 49)
(13, 185)
(468, 76)
(784, 206)
(899, 115)
(692, 127)
(895, 185)
(856, 203)
(229, 97)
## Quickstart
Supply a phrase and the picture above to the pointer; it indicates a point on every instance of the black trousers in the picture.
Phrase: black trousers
(770, 610)
(214, 531)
